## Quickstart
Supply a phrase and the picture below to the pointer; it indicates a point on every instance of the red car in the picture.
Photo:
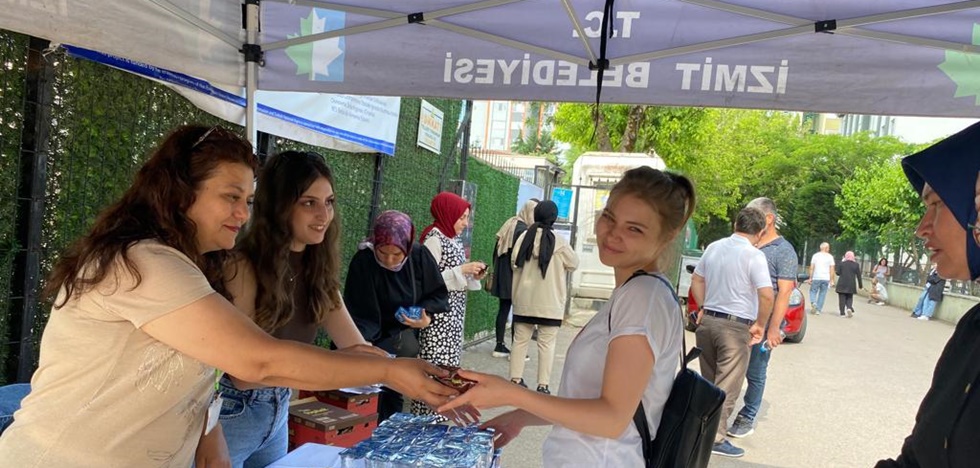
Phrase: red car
(795, 328)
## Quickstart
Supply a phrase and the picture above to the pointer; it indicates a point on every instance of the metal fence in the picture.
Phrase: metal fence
(73, 133)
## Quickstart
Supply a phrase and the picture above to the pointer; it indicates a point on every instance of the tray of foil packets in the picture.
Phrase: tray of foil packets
(407, 441)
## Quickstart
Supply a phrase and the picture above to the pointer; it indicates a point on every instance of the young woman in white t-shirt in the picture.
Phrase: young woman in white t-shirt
(627, 353)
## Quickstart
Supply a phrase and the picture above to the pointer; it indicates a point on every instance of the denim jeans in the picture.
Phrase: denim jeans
(818, 292)
(10, 397)
(255, 424)
(755, 377)
(925, 307)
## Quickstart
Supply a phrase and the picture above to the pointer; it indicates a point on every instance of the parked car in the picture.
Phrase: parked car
(794, 324)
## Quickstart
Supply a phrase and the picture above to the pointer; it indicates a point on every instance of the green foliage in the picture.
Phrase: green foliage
(496, 201)
(878, 204)
(734, 156)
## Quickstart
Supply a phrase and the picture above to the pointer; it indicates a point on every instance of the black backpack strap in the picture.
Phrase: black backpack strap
(640, 421)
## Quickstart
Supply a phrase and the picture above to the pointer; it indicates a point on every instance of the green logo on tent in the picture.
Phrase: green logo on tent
(320, 60)
(964, 69)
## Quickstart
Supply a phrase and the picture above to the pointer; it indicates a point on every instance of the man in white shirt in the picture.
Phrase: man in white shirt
(733, 285)
(822, 277)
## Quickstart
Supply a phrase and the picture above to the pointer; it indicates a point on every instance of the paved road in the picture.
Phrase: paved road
(845, 397)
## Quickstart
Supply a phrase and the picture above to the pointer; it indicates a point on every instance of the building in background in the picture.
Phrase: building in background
(497, 124)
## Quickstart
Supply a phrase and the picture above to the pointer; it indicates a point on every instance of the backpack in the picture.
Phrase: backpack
(690, 418)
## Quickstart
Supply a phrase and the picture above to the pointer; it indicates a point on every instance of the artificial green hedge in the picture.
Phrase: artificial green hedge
(496, 200)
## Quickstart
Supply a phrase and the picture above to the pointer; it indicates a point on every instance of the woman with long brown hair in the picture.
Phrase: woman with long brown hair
(141, 320)
(285, 275)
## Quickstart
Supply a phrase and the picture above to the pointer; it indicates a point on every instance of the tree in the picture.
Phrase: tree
(878, 203)
(533, 138)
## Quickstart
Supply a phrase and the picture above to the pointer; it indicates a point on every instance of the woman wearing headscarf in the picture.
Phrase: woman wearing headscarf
(390, 271)
(503, 272)
(541, 264)
(947, 426)
(442, 342)
(848, 282)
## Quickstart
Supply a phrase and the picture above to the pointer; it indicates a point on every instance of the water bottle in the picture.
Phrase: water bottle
(765, 343)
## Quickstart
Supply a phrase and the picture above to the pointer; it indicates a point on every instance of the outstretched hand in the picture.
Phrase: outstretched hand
(411, 377)
(490, 391)
(506, 427)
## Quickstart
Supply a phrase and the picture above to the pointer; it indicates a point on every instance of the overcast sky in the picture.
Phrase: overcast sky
(926, 129)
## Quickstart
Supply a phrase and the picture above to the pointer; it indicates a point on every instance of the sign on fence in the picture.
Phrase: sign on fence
(563, 198)
(430, 127)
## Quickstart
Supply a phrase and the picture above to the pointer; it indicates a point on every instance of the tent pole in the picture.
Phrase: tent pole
(253, 58)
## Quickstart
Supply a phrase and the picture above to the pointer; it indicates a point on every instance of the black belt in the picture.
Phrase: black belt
(728, 317)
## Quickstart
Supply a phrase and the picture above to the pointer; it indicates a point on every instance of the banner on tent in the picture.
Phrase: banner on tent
(908, 57)
(342, 122)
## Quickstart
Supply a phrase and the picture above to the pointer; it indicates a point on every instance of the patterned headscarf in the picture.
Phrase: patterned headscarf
(446, 209)
(950, 167)
(392, 228)
(849, 256)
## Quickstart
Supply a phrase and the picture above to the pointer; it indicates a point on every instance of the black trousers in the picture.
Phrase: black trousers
(502, 313)
(846, 301)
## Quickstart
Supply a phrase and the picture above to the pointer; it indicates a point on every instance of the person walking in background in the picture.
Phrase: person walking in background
(541, 263)
(782, 261)
(441, 342)
(503, 273)
(628, 352)
(931, 295)
(881, 270)
(879, 293)
(947, 425)
(733, 285)
(391, 271)
(821, 277)
(848, 282)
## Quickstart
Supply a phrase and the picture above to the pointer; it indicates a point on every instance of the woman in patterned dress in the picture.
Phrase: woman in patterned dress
(442, 341)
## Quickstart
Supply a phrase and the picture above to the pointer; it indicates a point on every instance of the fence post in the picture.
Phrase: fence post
(376, 186)
(463, 142)
(265, 146)
(23, 305)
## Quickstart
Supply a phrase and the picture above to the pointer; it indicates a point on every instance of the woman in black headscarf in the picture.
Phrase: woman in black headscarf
(541, 264)
(947, 427)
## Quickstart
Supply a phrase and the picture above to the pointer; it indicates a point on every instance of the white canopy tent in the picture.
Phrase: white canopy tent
(898, 57)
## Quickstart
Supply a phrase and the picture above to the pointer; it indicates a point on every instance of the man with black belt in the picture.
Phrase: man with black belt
(732, 283)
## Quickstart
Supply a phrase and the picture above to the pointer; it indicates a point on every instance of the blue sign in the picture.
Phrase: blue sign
(563, 198)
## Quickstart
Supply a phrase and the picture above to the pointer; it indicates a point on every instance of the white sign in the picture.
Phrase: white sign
(430, 127)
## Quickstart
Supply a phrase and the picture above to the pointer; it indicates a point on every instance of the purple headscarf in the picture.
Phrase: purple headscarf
(392, 228)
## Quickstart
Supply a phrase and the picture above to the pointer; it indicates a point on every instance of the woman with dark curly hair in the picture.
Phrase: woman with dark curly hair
(141, 320)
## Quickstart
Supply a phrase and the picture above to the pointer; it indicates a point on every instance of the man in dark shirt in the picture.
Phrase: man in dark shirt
(782, 261)
(947, 427)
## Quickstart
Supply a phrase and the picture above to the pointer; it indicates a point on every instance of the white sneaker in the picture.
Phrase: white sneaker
(922, 317)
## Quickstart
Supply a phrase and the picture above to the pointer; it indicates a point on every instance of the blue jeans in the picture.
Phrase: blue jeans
(255, 424)
(755, 376)
(818, 291)
(925, 307)
(10, 397)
